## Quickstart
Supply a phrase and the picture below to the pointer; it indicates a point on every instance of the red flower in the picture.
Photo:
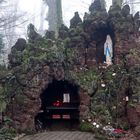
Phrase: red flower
(57, 104)
(119, 131)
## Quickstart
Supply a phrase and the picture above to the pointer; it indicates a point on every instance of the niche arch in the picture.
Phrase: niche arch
(99, 36)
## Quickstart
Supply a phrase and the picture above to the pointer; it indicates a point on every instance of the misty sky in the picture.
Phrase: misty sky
(33, 9)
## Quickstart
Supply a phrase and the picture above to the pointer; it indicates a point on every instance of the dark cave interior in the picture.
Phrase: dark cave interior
(60, 105)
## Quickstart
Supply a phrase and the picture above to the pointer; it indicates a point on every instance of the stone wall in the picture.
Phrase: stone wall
(77, 56)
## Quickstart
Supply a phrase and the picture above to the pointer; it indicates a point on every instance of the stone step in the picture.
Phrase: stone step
(61, 135)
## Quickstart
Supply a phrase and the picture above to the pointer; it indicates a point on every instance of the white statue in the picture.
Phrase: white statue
(108, 50)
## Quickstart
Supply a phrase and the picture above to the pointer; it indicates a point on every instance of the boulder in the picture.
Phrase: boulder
(63, 32)
(20, 45)
(95, 6)
(75, 21)
(50, 35)
(125, 10)
(133, 115)
(33, 36)
(136, 16)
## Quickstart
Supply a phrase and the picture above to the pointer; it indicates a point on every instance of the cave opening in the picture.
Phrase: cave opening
(59, 106)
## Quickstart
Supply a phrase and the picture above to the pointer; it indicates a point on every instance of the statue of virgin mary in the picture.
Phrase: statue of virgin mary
(108, 51)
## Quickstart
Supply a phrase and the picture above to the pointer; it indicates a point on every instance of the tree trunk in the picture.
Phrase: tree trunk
(54, 14)
(117, 2)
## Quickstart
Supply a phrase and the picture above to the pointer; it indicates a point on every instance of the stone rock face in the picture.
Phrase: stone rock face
(95, 6)
(137, 131)
(32, 34)
(63, 32)
(78, 57)
(15, 56)
(20, 45)
(75, 20)
(84, 104)
(50, 35)
(136, 16)
(126, 10)
(134, 115)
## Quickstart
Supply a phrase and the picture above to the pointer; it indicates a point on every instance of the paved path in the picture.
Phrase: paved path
(60, 135)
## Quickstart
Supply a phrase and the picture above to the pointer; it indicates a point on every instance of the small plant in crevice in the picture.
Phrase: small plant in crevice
(7, 132)
(86, 126)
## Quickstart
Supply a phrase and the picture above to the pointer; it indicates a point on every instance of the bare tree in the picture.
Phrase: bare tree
(10, 19)
(9, 25)
(42, 18)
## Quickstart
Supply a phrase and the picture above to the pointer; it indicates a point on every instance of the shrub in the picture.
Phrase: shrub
(86, 126)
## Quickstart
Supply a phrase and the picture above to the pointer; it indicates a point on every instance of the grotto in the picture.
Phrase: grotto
(75, 60)
(59, 101)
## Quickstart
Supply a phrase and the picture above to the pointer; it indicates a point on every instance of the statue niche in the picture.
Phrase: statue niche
(108, 50)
